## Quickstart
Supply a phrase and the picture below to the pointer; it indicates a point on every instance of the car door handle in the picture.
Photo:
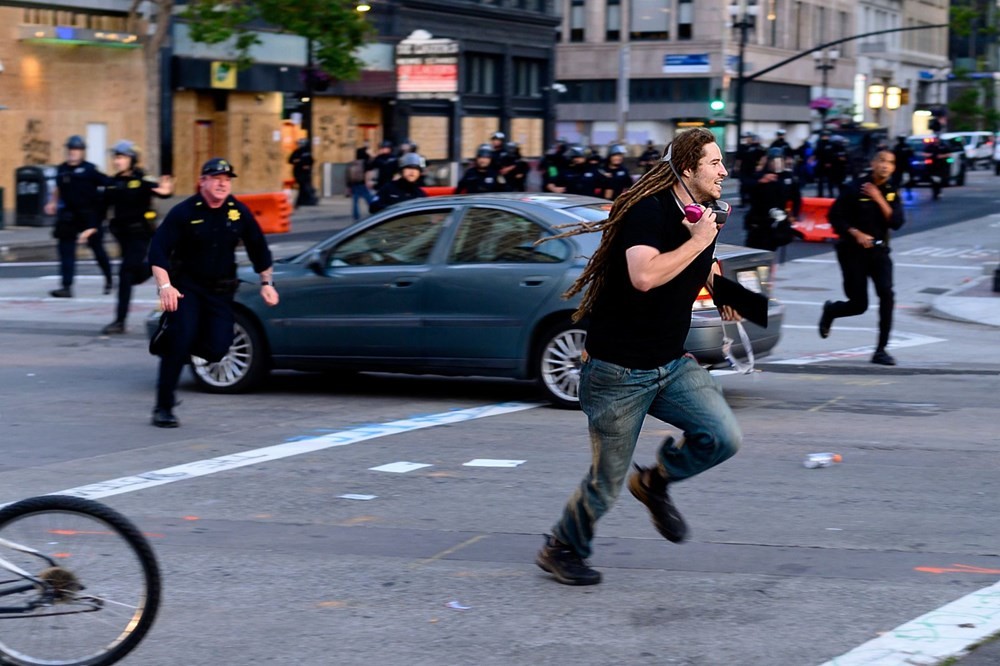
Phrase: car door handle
(533, 281)
(403, 282)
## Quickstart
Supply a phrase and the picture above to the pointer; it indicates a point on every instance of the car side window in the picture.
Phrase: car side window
(405, 240)
(493, 236)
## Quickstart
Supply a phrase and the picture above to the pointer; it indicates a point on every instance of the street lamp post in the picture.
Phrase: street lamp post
(743, 24)
(826, 60)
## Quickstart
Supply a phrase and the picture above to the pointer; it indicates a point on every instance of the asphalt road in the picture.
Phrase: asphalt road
(267, 562)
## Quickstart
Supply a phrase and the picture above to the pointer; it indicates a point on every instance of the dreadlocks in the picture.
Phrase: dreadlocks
(685, 154)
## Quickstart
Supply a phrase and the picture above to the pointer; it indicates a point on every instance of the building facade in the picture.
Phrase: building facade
(639, 70)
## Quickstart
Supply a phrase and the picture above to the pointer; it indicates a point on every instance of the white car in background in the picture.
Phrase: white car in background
(980, 147)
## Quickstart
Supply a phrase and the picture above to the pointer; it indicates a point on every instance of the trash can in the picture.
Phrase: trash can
(34, 186)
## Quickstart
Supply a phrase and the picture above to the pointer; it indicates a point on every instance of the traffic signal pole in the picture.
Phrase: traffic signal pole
(742, 79)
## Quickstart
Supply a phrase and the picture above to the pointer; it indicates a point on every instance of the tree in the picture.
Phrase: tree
(334, 28)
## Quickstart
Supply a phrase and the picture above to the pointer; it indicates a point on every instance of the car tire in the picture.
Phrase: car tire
(558, 359)
(243, 366)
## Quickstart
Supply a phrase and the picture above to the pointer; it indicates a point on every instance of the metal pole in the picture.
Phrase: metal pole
(623, 92)
(740, 78)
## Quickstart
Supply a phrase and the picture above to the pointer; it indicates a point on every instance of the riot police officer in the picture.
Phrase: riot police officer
(78, 204)
(404, 188)
(515, 168)
(482, 176)
(578, 177)
(863, 215)
(616, 177)
(649, 157)
(131, 197)
(768, 223)
(384, 164)
(748, 157)
(193, 257)
(498, 149)
(302, 162)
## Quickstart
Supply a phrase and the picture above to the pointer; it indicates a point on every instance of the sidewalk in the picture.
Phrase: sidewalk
(974, 302)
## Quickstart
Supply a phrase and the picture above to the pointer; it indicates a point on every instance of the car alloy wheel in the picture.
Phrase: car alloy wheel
(559, 362)
(239, 369)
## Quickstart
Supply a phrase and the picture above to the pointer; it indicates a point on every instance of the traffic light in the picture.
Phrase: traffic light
(717, 105)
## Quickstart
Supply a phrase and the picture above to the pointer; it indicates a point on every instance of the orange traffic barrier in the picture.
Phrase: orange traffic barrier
(272, 210)
(438, 191)
(813, 222)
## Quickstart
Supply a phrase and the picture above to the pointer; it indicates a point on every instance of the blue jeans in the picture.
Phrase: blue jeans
(616, 401)
(359, 191)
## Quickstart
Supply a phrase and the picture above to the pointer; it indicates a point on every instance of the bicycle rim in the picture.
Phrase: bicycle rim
(95, 549)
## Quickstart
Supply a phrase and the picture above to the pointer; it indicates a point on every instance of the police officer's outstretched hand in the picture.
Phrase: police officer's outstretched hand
(269, 294)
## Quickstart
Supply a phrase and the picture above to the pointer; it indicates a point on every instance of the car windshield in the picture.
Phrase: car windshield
(596, 212)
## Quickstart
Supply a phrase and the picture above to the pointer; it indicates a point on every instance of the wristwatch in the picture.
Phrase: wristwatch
(267, 283)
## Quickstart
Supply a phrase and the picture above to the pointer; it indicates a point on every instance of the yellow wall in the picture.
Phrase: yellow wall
(52, 91)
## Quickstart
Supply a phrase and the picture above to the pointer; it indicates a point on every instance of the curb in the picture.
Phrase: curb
(954, 306)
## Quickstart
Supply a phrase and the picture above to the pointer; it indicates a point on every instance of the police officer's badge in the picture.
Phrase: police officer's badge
(234, 215)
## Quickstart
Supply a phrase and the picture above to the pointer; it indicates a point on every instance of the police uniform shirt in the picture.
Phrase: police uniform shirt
(385, 167)
(131, 195)
(581, 179)
(395, 192)
(79, 186)
(197, 243)
(853, 208)
(617, 179)
(476, 181)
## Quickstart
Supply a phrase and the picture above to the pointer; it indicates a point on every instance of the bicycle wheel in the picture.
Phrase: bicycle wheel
(102, 591)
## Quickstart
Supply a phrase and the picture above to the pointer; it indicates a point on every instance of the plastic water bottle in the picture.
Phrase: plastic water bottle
(814, 460)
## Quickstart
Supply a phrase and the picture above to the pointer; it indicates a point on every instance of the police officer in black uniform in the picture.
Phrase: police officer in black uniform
(748, 157)
(862, 216)
(482, 176)
(78, 204)
(132, 224)
(553, 163)
(768, 223)
(384, 164)
(649, 157)
(616, 177)
(193, 257)
(579, 177)
(515, 168)
(302, 162)
(498, 148)
(404, 188)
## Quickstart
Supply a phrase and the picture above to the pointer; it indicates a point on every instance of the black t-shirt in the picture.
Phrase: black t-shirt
(646, 330)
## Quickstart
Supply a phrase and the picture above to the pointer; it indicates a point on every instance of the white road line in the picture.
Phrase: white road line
(401, 467)
(191, 470)
(71, 301)
(895, 265)
(491, 462)
(898, 340)
(946, 632)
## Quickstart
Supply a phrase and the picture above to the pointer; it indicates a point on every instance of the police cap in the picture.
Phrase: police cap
(575, 151)
(617, 149)
(484, 151)
(499, 135)
(76, 142)
(218, 167)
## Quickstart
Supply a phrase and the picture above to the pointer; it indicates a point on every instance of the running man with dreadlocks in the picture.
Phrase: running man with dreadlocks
(640, 286)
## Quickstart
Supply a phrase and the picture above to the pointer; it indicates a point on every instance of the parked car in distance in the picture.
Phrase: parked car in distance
(451, 286)
(928, 161)
(978, 146)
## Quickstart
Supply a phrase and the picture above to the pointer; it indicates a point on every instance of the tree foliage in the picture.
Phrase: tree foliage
(335, 28)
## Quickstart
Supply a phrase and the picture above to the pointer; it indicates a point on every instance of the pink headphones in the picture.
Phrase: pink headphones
(693, 212)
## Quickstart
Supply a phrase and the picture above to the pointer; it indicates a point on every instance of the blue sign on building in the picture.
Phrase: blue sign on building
(688, 63)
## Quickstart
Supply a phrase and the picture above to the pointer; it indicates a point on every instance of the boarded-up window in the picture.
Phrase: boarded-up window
(476, 130)
(528, 134)
(430, 133)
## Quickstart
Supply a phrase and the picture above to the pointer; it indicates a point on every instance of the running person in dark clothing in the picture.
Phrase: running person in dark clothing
(78, 204)
(640, 286)
(193, 257)
(863, 216)
(132, 224)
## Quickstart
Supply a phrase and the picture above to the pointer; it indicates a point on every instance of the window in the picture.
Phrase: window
(406, 240)
(613, 21)
(481, 74)
(493, 236)
(527, 78)
(589, 92)
(668, 90)
(650, 20)
(577, 21)
(685, 19)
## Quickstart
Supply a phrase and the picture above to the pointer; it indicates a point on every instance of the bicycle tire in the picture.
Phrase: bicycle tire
(143, 615)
